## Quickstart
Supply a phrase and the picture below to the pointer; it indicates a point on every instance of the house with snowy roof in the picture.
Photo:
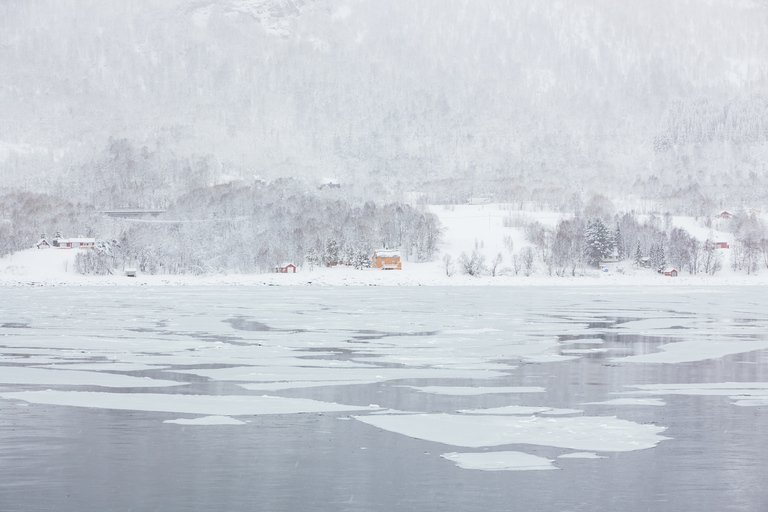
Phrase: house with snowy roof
(43, 244)
(285, 268)
(77, 243)
(387, 260)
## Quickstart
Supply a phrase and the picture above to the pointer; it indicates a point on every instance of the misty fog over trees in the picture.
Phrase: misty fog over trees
(660, 107)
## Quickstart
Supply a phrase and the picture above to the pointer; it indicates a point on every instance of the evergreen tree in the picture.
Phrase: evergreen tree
(638, 255)
(662, 259)
(598, 243)
(618, 240)
(332, 254)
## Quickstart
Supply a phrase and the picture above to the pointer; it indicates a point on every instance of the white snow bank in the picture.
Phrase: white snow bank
(594, 433)
(230, 405)
(500, 461)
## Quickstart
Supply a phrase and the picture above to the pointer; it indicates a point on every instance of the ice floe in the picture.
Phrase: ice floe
(470, 391)
(519, 410)
(743, 393)
(593, 433)
(46, 377)
(696, 350)
(229, 405)
(500, 461)
(207, 420)
(581, 455)
(629, 401)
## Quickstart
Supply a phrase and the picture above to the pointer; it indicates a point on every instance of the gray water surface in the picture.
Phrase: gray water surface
(83, 458)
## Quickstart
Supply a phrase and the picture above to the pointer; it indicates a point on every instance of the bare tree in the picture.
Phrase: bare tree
(528, 258)
(474, 265)
(495, 264)
(448, 265)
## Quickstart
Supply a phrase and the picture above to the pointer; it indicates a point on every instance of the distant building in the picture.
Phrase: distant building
(77, 243)
(721, 245)
(329, 183)
(479, 200)
(285, 268)
(130, 272)
(671, 273)
(387, 260)
(725, 215)
(43, 244)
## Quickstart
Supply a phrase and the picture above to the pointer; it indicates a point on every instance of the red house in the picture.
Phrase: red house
(671, 273)
(286, 268)
(721, 245)
(77, 243)
(725, 215)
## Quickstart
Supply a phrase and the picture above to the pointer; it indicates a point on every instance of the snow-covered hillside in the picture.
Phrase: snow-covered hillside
(466, 228)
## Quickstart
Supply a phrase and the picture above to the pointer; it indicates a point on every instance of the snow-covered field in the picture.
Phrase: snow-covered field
(466, 228)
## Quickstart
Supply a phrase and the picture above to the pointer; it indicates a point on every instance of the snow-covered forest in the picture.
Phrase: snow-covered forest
(660, 107)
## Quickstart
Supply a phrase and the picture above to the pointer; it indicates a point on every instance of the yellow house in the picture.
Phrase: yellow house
(387, 260)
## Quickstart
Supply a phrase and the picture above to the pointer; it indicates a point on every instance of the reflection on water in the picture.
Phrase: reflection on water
(569, 346)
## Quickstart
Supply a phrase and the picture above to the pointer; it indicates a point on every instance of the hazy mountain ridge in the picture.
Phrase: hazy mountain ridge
(572, 95)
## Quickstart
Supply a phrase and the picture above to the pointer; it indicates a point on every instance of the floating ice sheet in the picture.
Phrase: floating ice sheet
(276, 386)
(630, 401)
(469, 391)
(366, 374)
(207, 420)
(228, 405)
(696, 350)
(500, 461)
(107, 365)
(519, 410)
(584, 351)
(743, 393)
(593, 433)
(45, 377)
(581, 455)
(585, 341)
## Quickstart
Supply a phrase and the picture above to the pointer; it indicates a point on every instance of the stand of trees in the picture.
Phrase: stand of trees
(230, 228)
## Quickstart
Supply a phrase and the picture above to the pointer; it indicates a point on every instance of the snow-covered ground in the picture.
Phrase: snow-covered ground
(466, 228)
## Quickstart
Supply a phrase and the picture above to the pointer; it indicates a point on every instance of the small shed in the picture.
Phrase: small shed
(725, 215)
(43, 244)
(285, 268)
(387, 260)
(671, 273)
(721, 245)
(130, 272)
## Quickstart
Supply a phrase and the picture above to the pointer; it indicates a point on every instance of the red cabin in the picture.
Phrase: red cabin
(286, 268)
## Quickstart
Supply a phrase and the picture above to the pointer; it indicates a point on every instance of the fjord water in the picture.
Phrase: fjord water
(142, 398)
